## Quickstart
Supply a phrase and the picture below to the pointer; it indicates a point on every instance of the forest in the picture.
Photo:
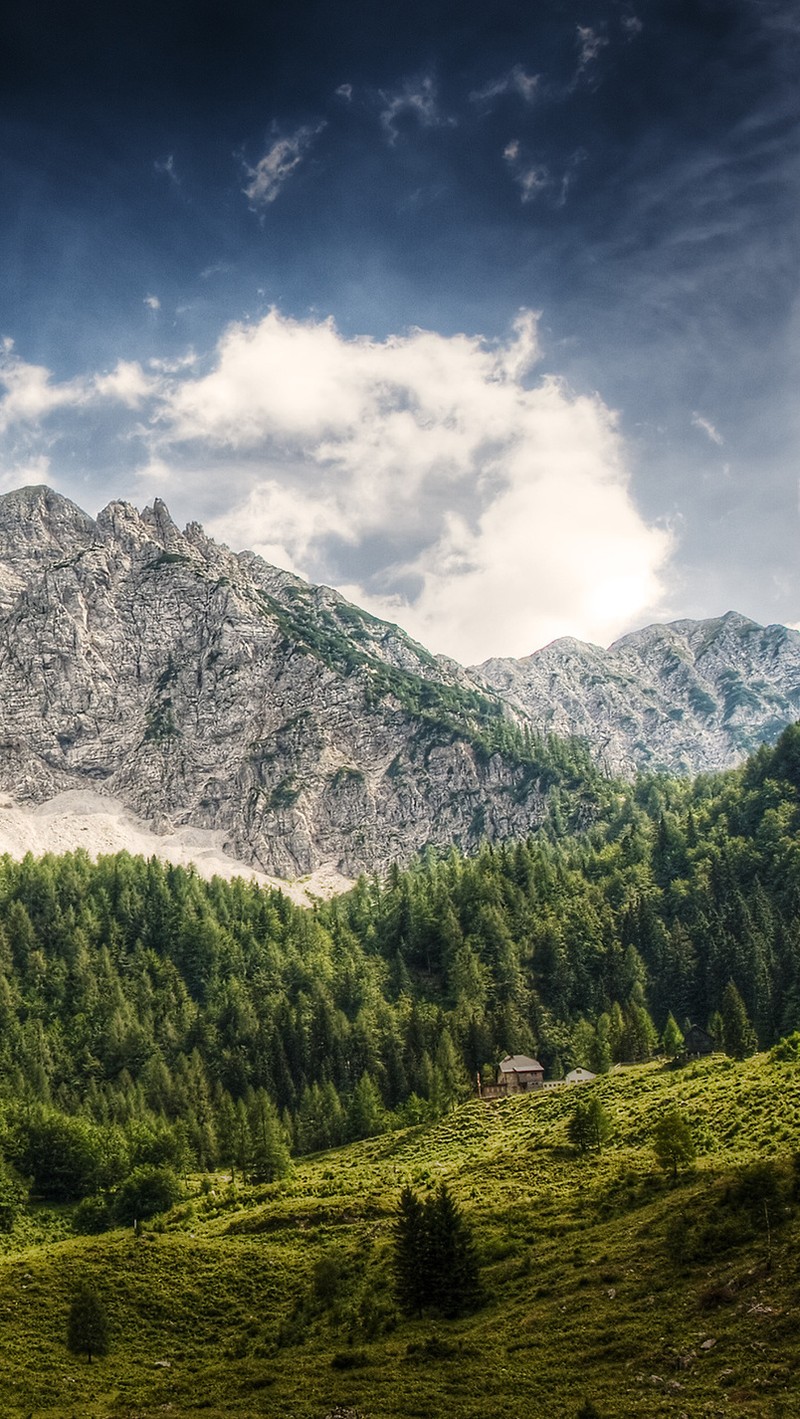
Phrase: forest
(151, 1018)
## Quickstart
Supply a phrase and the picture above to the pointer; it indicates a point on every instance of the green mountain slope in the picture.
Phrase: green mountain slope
(602, 1278)
(149, 1009)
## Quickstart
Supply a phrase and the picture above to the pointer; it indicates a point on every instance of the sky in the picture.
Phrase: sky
(484, 313)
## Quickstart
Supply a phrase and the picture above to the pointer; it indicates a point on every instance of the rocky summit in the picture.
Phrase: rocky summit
(684, 698)
(200, 686)
(204, 688)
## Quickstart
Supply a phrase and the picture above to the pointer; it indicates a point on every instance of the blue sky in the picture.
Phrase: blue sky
(484, 313)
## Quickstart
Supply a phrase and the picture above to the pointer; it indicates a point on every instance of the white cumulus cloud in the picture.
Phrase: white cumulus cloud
(28, 392)
(441, 481)
(500, 502)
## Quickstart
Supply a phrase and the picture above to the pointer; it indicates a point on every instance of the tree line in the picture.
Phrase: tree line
(150, 1018)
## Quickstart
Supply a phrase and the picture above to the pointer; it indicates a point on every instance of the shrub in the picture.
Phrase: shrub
(93, 1215)
(145, 1192)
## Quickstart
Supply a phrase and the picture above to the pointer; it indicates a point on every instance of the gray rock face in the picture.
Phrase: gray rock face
(684, 698)
(203, 687)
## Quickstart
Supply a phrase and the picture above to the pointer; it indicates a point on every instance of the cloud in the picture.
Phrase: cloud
(706, 427)
(632, 25)
(516, 81)
(345, 91)
(278, 163)
(29, 393)
(431, 478)
(590, 43)
(127, 384)
(531, 177)
(167, 168)
(152, 302)
(417, 99)
(31, 396)
(440, 481)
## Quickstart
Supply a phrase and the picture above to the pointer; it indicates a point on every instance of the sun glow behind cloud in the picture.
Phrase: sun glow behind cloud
(434, 479)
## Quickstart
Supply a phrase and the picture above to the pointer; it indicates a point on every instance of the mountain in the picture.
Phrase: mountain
(684, 698)
(201, 687)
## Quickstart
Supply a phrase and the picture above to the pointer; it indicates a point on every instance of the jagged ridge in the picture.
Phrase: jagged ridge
(684, 698)
(206, 687)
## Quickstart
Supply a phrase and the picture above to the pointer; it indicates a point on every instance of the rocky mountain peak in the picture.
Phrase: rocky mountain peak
(204, 689)
(37, 526)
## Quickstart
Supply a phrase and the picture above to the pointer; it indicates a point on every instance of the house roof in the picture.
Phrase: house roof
(519, 1064)
(581, 1073)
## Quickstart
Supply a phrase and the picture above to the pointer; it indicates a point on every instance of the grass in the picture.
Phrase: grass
(603, 1279)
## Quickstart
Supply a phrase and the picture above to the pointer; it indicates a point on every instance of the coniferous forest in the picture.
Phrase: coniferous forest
(150, 1019)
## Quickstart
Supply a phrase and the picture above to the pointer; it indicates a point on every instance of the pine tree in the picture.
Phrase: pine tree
(365, 1116)
(269, 1156)
(738, 1036)
(451, 1256)
(435, 1263)
(87, 1324)
(408, 1263)
(589, 1126)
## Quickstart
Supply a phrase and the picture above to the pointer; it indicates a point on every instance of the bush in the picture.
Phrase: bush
(92, 1215)
(147, 1191)
(787, 1051)
(12, 1196)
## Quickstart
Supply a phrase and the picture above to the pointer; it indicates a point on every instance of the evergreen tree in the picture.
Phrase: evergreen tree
(738, 1036)
(365, 1116)
(451, 1257)
(409, 1264)
(434, 1264)
(87, 1324)
(589, 1125)
(269, 1155)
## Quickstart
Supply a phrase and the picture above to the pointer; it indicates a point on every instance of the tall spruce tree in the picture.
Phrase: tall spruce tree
(738, 1036)
(451, 1256)
(408, 1262)
(435, 1263)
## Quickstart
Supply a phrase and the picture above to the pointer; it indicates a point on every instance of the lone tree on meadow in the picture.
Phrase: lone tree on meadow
(673, 1144)
(87, 1325)
(435, 1264)
(672, 1039)
(589, 1125)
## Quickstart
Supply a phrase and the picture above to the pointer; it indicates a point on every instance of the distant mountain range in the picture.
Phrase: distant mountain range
(683, 698)
(204, 688)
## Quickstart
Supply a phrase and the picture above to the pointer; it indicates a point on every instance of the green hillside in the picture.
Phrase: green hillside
(277, 1077)
(603, 1278)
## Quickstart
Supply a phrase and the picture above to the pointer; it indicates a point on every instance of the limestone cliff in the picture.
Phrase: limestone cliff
(198, 686)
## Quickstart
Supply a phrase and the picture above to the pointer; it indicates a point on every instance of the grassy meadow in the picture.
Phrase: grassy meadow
(603, 1278)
